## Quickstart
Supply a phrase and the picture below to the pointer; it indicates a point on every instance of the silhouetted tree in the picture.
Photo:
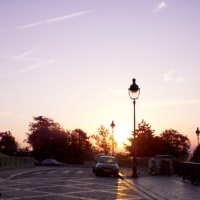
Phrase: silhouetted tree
(170, 142)
(145, 141)
(79, 147)
(47, 138)
(176, 144)
(103, 140)
(196, 155)
(121, 155)
(8, 144)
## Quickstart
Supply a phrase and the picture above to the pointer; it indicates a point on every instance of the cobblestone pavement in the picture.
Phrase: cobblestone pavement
(68, 183)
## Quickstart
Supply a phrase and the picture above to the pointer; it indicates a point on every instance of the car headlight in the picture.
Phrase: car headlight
(115, 167)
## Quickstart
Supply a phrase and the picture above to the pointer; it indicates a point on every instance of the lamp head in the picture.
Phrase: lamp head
(112, 125)
(197, 132)
(134, 90)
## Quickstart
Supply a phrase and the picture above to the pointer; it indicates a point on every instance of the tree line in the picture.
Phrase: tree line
(48, 139)
(170, 142)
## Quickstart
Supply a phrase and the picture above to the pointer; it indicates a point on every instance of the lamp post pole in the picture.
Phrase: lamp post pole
(134, 92)
(197, 132)
(134, 146)
(112, 127)
(51, 145)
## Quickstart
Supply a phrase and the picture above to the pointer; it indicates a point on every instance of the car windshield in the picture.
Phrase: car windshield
(97, 157)
(107, 160)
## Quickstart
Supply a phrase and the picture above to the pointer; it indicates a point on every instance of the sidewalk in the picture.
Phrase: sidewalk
(161, 187)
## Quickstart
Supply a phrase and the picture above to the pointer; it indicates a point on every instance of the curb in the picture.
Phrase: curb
(23, 173)
(141, 190)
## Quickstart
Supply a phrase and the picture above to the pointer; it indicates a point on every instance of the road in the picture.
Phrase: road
(68, 183)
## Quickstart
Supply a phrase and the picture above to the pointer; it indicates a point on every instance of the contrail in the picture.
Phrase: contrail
(24, 54)
(39, 64)
(49, 21)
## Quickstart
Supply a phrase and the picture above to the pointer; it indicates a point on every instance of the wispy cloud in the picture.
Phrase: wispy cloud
(13, 114)
(171, 102)
(66, 17)
(5, 113)
(29, 25)
(37, 62)
(49, 21)
(40, 64)
(170, 76)
(22, 56)
(179, 79)
(160, 6)
(117, 92)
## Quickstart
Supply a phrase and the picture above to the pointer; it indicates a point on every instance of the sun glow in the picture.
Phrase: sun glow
(121, 136)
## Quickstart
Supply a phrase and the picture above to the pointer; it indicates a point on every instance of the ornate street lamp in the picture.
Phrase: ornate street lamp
(112, 128)
(134, 92)
(197, 132)
(51, 146)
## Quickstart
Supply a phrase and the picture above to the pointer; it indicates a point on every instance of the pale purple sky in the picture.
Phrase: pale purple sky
(73, 61)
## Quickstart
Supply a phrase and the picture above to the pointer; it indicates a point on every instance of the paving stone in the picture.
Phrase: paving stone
(72, 185)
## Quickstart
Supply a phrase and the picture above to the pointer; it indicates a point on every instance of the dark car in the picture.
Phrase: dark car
(37, 163)
(106, 165)
(95, 161)
(51, 162)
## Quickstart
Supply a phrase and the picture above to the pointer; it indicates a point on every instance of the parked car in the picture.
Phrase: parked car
(95, 161)
(37, 163)
(106, 165)
(51, 162)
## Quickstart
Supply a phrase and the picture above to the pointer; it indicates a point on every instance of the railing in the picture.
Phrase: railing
(191, 172)
(141, 162)
(16, 162)
(187, 170)
(125, 162)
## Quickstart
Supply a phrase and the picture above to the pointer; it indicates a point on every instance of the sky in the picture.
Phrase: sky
(73, 62)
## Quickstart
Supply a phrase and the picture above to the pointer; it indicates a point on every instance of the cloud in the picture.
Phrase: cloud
(117, 92)
(5, 113)
(171, 102)
(24, 54)
(49, 21)
(179, 79)
(168, 76)
(40, 64)
(29, 25)
(66, 17)
(160, 6)
(13, 114)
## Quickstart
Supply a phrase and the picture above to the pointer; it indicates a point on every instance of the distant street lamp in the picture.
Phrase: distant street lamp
(134, 92)
(112, 128)
(51, 145)
(197, 132)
